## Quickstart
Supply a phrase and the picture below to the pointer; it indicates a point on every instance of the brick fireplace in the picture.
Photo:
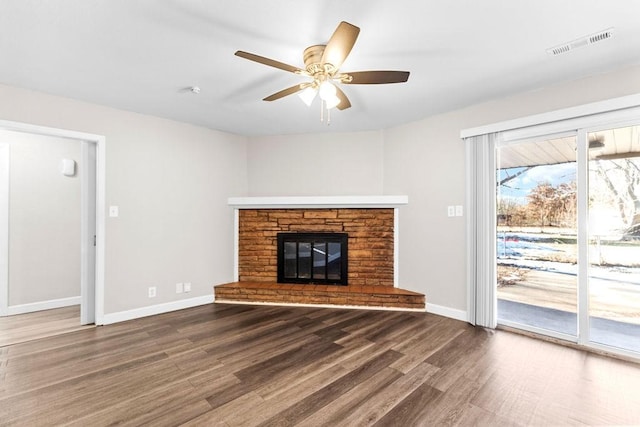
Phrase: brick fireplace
(372, 227)
(370, 231)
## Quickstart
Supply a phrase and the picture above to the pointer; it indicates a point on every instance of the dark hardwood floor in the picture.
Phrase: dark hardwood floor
(235, 365)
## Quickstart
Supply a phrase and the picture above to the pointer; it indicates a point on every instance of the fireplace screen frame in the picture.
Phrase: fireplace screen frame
(312, 239)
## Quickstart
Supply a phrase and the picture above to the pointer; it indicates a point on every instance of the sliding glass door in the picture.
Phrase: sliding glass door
(614, 237)
(566, 268)
(537, 235)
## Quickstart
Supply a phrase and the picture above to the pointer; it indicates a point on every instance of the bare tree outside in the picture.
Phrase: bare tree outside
(618, 184)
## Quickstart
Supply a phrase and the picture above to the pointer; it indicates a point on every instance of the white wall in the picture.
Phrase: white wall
(44, 219)
(425, 160)
(171, 182)
(324, 164)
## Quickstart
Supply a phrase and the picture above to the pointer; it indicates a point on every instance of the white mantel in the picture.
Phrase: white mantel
(322, 202)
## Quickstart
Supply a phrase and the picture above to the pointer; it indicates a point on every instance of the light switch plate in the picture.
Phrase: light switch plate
(113, 211)
(458, 210)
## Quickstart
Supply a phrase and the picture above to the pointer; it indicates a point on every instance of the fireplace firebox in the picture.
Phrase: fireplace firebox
(312, 258)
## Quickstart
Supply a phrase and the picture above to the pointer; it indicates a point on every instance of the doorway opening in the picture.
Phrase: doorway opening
(92, 194)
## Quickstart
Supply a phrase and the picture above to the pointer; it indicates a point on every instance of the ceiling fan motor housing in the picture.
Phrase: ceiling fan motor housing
(313, 61)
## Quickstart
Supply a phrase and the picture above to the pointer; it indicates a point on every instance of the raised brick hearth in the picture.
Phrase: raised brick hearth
(371, 257)
(354, 295)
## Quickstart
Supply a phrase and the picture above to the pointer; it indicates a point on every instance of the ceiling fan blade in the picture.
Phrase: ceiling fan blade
(344, 101)
(340, 44)
(285, 92)
(269, 62)
(377, 77)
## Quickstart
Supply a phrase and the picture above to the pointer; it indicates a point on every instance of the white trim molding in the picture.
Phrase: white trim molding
(614, 104)
(321, 202)
(152, 310)
(43, 305)
(396, 247)
(452, 313)
(4, 228)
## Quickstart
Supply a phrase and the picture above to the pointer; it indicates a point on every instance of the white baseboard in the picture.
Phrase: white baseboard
(42, 305)
(151, 310)
(447, 312)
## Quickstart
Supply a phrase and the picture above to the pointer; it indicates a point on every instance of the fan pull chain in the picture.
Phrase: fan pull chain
(323, 107)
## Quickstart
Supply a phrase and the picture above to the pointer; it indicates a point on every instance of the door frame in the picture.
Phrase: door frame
(87, 288)
(4, 228)
(88, 233)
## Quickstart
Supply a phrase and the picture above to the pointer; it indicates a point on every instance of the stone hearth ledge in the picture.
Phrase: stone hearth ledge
(362, 297)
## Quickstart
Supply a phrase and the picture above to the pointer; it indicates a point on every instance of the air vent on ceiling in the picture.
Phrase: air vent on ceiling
(581, 42)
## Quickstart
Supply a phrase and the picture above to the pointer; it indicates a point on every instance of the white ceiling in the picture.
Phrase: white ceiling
(142, 55)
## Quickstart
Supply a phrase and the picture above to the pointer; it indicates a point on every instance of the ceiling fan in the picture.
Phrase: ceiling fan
(322, 64)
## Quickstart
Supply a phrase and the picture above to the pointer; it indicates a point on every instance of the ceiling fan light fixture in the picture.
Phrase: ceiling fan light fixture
(327, 90)
(332, 102)
(308, 95)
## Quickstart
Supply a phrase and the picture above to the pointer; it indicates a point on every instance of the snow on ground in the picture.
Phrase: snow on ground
(524, 250)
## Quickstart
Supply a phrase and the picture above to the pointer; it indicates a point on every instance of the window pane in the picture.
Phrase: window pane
(537, 234)
(304, 260)
(319, 260)
(290, 260)
(614, 237)
(334, 261)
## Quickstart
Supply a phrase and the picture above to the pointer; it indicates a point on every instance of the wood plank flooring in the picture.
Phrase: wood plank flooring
(235, 365)
(40, 324)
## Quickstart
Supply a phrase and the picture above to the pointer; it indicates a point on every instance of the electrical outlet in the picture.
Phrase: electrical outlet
(114, 211)
(458, 210)
(152, 291)
(451, 211)
(187, 287)
(179, 288)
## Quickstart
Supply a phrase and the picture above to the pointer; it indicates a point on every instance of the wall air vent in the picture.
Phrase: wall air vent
(581, 42)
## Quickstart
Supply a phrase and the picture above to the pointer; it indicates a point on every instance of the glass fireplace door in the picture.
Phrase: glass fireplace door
(312, 258)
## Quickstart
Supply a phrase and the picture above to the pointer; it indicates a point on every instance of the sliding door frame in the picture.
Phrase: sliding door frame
(587, 125)
(581, 120)
(582, 184)
(508, 140)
